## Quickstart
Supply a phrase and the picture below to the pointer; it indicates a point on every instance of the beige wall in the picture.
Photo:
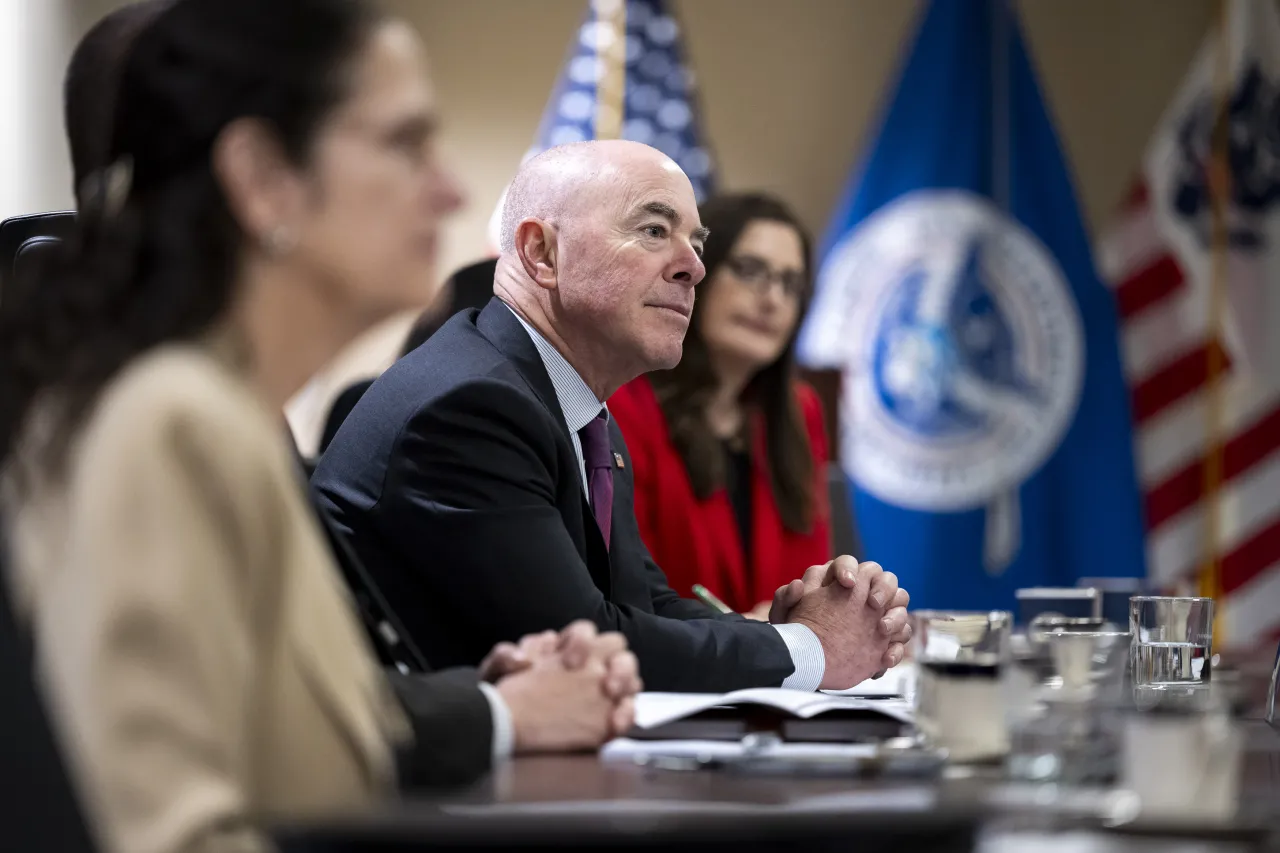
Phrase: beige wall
(790, 86)
(788, 90)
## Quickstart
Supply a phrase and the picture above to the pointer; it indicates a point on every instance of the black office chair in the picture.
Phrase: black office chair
(38, 809)
(26, 245)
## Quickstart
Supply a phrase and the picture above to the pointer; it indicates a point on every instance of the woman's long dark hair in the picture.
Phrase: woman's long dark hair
(156, 255)
(92, 83)
(685, 391)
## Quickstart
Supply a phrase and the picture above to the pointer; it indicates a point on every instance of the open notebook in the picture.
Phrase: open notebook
(795, 714)
(898, 682)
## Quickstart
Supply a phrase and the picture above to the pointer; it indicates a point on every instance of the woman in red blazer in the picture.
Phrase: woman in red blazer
(729, 446)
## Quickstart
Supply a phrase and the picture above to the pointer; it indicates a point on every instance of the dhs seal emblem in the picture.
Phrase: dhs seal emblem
(964, 357)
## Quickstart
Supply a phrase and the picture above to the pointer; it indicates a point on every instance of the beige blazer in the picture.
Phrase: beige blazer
(194, 639)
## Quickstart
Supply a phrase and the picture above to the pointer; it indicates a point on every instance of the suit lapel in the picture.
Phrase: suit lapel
(500, 326)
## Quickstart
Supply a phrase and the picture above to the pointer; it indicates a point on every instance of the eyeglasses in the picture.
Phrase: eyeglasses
(756, 274)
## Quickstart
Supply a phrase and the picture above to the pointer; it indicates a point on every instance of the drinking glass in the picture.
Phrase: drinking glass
(1063, 690)
(959, 705)
(1172, 647)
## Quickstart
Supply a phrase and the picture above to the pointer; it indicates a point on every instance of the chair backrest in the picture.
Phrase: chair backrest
(38, 807)
(844, 529)
(392, 643)
(26, 243)
(385, 630)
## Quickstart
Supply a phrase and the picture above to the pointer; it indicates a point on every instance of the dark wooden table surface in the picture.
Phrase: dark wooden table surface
(580, 801)
(1260, 780)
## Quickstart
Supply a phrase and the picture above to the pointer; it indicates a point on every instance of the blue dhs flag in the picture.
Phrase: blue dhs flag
(985, 419)
(626, 78)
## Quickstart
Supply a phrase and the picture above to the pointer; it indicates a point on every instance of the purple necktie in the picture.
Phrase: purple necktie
(598, 459)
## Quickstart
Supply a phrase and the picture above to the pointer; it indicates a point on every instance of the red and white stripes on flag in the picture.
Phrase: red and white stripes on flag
(1158, 262)
(1164, 340)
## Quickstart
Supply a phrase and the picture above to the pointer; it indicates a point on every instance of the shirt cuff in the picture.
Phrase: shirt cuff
(806, 654)
(504, 734)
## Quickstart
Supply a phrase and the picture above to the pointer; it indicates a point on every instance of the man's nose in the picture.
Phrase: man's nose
(687, 267)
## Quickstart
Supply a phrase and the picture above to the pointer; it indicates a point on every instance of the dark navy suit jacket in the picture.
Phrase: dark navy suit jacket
(455, 481)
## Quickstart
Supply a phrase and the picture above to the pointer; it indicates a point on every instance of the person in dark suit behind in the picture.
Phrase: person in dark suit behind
(469, 287)
(483, 485)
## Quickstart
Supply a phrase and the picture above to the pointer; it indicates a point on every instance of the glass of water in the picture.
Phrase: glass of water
(1063, 690)
(1172, 647)
(958, 699)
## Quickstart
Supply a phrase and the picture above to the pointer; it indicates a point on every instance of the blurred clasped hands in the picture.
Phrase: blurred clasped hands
(570, 690)
(857, 612)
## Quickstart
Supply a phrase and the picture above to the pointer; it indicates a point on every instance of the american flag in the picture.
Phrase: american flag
(627, 77)
(1159, 260)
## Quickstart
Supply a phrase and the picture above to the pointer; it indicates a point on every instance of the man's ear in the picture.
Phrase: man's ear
(535, 244)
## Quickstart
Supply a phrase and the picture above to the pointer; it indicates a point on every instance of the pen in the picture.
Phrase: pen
(705, 596)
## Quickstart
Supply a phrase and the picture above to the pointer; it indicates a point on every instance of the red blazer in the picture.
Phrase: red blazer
(697, 541)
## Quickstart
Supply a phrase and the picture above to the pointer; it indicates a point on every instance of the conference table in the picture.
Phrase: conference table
(577, 801)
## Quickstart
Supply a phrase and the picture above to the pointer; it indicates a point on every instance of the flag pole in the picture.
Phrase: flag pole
(1002, 539)
(1219, 186)
(1001, 124)
(611, 56)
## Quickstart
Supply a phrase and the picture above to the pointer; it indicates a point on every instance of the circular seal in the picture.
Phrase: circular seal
(964, 351)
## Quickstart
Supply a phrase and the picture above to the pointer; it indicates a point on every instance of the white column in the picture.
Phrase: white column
(36, 39)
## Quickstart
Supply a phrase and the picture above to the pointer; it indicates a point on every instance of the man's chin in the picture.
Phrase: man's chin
(666, 357)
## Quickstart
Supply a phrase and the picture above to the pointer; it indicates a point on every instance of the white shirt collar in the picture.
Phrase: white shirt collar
(578, 403)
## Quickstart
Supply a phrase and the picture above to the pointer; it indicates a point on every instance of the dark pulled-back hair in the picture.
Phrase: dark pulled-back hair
(157, 248)
(93, 80)
(684, 391)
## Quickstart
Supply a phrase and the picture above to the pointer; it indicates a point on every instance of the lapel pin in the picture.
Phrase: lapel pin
(617, 459)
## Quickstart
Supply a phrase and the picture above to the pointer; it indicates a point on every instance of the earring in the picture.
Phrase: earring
(280, 241)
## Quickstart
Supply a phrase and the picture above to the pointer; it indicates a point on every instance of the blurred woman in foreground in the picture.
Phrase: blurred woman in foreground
(729, 447)
(273, 191)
